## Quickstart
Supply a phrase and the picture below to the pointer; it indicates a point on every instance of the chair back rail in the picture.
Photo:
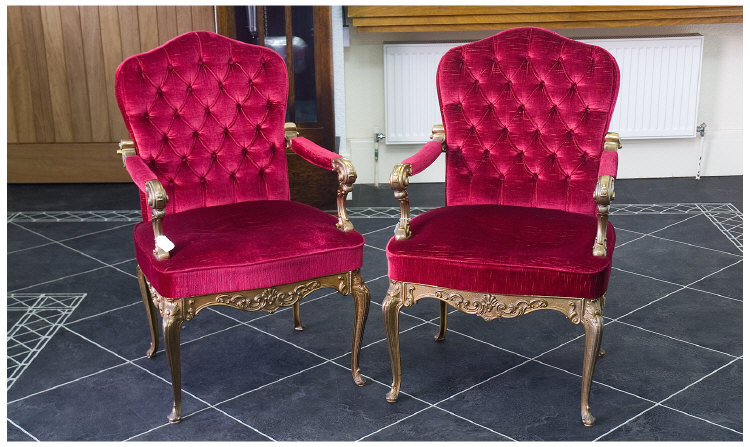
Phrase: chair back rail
(525, 114)
(206, 114)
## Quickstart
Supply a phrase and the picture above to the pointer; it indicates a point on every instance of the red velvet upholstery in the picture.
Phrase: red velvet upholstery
(139, 172)
(313, 153)
(608, 164)
(244, 246)
(525, 113)
(424, 157)
(503, 249)
(207, 116)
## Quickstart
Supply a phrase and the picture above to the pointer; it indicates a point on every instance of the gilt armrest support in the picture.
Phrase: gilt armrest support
(605, 191)
(157, 201)
(331, 161)
(399, 182)
(156, 196)
(412, 166)
(347, 176)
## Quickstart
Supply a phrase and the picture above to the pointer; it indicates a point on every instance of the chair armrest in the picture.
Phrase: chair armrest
(605, 190)
(412, 166)
(156, 196)
(331, 161)
(313, 153)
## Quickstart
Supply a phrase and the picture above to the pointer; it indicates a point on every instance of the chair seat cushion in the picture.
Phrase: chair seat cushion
(245, 246)
(504, 250)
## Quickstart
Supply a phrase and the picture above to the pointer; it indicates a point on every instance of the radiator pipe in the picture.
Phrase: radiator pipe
(702, 130)
(379, 136)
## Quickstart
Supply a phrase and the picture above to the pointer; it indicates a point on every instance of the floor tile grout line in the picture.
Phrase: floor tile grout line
(436, 404)
(74, 274)
(75, 250)
(244, 393)
(699, 418)
(535, 359)
(43, 337)
(474, 423)
(375, 231)
(22, 429)
(67, 383)
(273, 382)
(332, 360)
(652, 234)
(632, 394)
(104, 312)
(376, 248)
(422, 410)
(676, 339)
(677, 284)
(678, 290)
(630, 241)
(667, 398)
(166, 424)
(373, 343)
(693, 245)
(239, 323)
(168, 382)
(57, 279)
(433, 323)
(68, 239)
(720, 226)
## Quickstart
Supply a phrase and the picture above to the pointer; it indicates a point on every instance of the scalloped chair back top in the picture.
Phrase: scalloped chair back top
(525, 113)
(206, 114)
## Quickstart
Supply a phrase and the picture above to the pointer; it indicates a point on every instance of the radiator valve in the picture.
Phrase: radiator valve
(701, 129)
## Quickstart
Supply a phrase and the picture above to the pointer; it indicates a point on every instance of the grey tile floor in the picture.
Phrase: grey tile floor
(77, 338)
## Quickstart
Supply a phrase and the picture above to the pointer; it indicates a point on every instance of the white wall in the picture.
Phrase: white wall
(720, 105)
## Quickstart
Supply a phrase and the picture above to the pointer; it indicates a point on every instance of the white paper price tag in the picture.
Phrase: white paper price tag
(164, 243)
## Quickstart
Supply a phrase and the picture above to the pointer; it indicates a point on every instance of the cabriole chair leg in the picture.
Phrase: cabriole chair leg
(440, 336)
(298, 326)
(391, 307)
(150, 313)
(171, 327)
(361, 295)
(592, 324)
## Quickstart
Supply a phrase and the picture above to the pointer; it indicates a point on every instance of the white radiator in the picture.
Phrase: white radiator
(659, 87)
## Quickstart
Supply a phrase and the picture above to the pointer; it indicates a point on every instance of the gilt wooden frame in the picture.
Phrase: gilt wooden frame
(490, 305)
(269, 299)
(176, 311)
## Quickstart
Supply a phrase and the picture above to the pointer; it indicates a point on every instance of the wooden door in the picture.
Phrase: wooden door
(62, 116)
(302, 36)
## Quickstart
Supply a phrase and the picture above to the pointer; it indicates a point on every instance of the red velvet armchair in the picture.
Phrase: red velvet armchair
(206, 118)
(525, 116)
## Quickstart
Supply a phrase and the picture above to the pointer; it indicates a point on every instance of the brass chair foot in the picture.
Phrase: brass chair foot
(587, 418)
(440, 336)
(298, 326)
(151, 351)
(359, 380)
(361, 295)
(601, 352)
(175, 416)
(392, 395)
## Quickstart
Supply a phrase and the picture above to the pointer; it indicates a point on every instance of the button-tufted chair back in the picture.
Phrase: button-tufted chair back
(525, 113)
(206, 114)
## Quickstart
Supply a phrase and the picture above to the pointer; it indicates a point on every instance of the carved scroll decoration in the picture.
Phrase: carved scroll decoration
(486, 305)
(269, 299)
